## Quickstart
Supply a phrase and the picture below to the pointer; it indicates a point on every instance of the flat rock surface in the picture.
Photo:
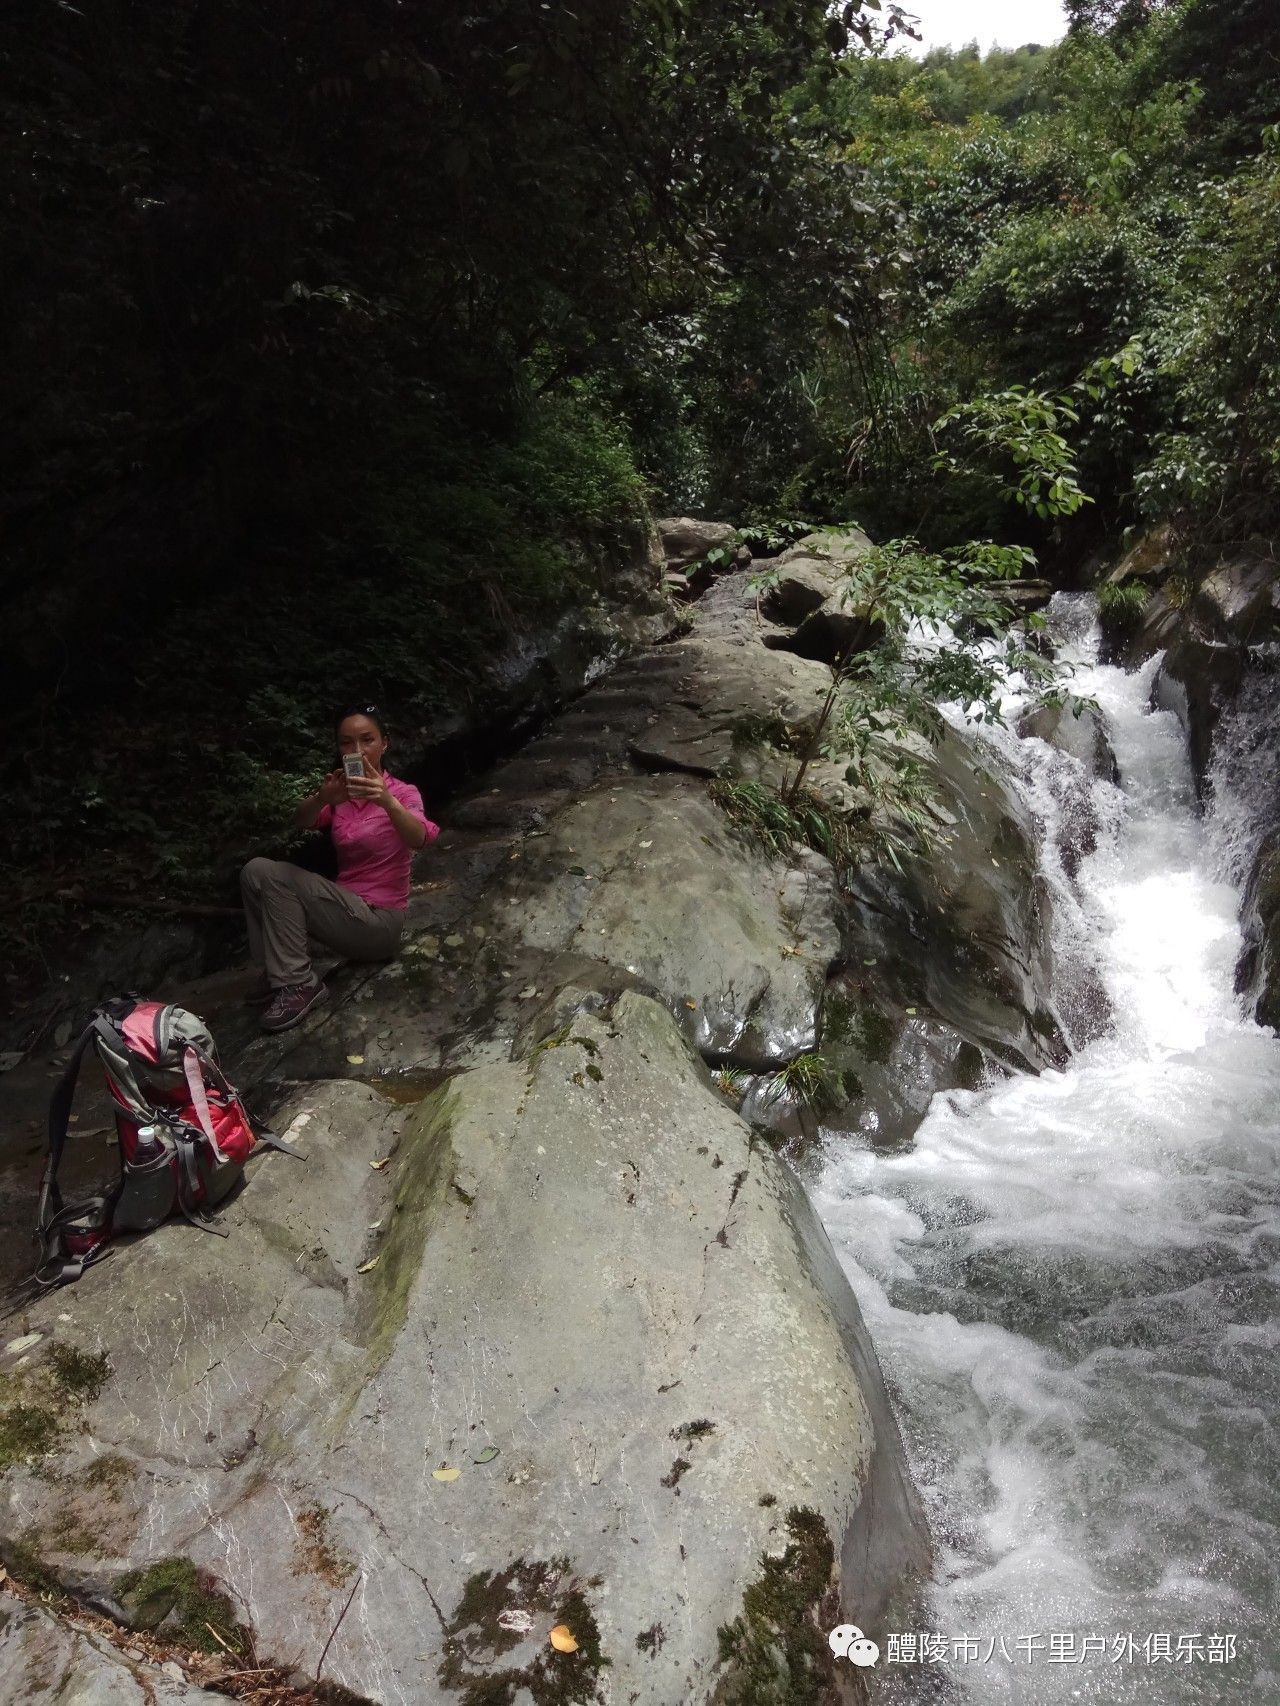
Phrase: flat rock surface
(45, 1659)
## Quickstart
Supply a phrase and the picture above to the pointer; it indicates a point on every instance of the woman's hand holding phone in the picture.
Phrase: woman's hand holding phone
(333, 790)
(371, 786)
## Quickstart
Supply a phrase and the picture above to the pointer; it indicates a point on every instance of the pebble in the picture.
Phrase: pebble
(454, 941)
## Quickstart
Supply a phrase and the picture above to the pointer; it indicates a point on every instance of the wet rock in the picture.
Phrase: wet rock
(1156, 627)
(1082, 735)
(1197, 679)
(967, 928)
(731, 683)
(1258, 973)
(43, 1657)
(632, 1303)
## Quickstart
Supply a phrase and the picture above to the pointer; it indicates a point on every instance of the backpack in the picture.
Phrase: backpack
(184, 1134)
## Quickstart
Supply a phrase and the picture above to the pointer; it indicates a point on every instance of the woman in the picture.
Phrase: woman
(377, 823)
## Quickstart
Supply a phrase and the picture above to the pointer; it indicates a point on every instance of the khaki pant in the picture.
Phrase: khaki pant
(290, 912)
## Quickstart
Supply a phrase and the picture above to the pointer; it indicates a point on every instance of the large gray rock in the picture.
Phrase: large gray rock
(684, 539)
(652, 879)
(46, 1659)
(1151, 554)
(580, 1283)
(1238, 602)
(808, 596)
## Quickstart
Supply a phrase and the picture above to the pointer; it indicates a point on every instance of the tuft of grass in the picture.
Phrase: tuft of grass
(813, 1080)
(775, 826)
(1121, 605)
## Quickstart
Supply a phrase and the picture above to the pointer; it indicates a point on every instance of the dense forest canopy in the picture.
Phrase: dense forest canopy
(346, 339)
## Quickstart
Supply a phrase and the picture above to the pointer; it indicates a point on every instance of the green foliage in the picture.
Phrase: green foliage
(1014, 434)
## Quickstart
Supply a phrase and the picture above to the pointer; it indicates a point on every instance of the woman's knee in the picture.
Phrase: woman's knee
(257, 872)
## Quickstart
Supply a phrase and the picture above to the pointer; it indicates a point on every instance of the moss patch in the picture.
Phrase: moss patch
(25, 1565)
(314, 1551)
(40, 1404)
(775, 1652)
(80, 1374)
(857, 1025)
(186, 1600)
(475, 1641)
(424, 1167)
(27, 1432)
(108, 1474)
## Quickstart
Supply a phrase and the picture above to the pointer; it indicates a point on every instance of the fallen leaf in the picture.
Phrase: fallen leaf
(577, 871)
(692, 1004)
(371, 1263)
(487, 1455)
(868, 962)
(379, 1165)
(646, 844)
(562, 1640)
(910, 1010)
(355, 1059)
(445, 1474)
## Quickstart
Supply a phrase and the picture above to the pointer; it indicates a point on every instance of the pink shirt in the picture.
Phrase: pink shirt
(373, 862)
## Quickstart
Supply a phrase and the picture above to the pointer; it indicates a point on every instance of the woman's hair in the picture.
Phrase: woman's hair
(371, 711)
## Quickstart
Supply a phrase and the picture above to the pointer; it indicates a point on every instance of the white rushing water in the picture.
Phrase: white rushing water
(1071, 1281)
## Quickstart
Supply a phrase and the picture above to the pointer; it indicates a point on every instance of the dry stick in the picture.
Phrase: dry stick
(324, 1655)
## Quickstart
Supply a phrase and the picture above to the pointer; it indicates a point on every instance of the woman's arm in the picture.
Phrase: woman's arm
(331, 792)
(411, 830)
(408, 825)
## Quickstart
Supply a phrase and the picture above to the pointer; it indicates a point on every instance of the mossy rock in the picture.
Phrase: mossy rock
(185, 1601)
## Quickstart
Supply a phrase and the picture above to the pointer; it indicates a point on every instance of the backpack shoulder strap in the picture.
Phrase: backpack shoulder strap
(59, 1114)
(197, 1065)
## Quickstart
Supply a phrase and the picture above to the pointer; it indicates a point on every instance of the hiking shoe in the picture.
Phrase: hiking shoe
(292, 1003)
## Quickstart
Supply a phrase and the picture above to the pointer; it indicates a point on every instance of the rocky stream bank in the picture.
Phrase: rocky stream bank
(545, 1330)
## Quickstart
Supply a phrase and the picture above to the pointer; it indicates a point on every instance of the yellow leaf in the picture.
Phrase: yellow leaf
(379, 1165)
(356, 1059)
(692, 1004)
(562, 1640)
(371, 1263)
(443, 1474)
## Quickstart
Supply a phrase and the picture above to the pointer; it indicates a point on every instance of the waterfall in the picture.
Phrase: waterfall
(1071, 1279)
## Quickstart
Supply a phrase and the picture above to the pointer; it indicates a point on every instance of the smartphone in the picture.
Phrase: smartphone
(353, 763)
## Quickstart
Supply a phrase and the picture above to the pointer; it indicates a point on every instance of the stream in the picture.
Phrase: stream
(1071, 1279)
